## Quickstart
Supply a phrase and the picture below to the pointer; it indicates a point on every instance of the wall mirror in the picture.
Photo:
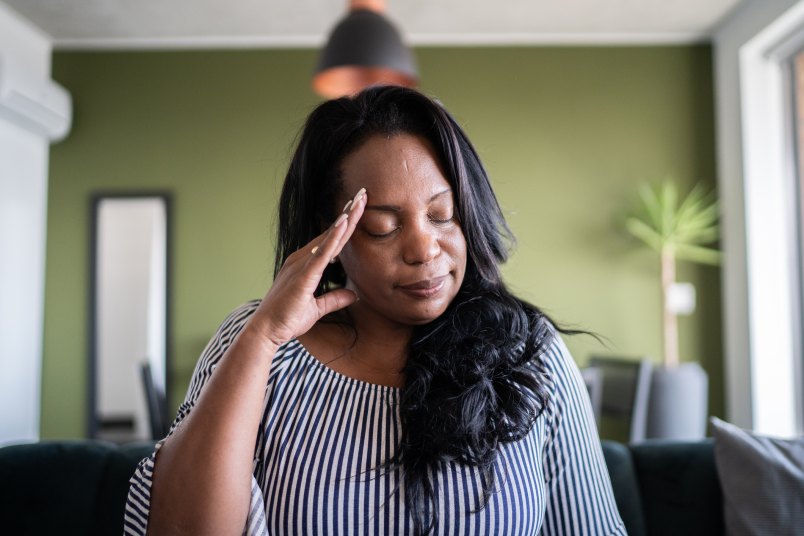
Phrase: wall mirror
(129, 320)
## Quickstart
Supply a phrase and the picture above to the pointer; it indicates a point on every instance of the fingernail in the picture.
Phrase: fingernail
(347, 205)
(340, 220)
(358, 196)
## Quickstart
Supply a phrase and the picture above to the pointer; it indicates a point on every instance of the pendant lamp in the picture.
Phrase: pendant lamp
(364, 49)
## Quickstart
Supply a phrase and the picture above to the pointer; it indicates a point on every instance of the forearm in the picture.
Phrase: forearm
(202, 474)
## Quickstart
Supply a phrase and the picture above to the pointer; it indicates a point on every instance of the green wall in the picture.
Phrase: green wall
(566, 133)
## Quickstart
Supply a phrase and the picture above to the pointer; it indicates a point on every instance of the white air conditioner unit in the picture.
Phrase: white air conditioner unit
(39, 105)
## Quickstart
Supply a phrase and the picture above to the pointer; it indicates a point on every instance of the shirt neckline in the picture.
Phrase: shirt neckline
(343, 378)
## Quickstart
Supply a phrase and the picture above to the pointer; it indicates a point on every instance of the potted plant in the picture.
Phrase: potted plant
(677, 230)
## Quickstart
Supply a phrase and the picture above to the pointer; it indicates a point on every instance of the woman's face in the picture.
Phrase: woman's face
(407, 257)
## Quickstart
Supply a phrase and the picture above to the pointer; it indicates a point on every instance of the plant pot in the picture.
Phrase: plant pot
(677, 407)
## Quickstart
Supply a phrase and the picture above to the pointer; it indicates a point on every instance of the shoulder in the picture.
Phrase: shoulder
(231, 326)
(557, 358)
(556, 353)
(564, 383)
(554, 361)
(223, 338)
(238, 317)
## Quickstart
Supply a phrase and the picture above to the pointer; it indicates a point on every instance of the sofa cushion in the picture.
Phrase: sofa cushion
(762, 479)
(680, 490)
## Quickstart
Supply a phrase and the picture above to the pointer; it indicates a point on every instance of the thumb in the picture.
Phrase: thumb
(335, 300)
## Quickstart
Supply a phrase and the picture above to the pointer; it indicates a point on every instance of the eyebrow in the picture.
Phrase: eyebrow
(397, 208)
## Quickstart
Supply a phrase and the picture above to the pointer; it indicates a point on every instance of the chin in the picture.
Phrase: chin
(419, 318)
(422, 321)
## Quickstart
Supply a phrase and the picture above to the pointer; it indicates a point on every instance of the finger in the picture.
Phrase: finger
(335, 300)
(321, 253)
(314, 246)
(334, 241)
(355, 212)
(303, 253)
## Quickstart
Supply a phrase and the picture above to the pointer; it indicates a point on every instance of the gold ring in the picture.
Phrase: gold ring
(314, 250)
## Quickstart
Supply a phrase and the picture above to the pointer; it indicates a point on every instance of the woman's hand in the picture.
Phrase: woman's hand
(290, 308)
(201, 475)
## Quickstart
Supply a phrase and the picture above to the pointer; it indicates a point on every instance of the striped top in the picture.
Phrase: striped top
(324, 437)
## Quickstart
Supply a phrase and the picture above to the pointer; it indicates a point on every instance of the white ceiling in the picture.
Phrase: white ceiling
(278, 23)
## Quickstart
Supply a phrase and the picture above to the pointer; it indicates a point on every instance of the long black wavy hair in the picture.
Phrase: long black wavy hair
(474, 377)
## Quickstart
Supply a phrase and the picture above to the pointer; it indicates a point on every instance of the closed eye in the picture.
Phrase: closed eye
(440, 220)
(382, 235)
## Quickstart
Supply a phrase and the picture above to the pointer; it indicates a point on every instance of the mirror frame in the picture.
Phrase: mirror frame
(95, 199)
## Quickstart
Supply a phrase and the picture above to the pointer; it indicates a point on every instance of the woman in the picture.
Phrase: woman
(388, 382)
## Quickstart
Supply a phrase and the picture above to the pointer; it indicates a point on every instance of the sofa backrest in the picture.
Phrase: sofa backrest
(661, 488)
(625, 485)
(666, 487)
(679, 487)
(80, 485)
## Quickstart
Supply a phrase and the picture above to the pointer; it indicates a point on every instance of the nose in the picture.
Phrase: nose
(420, 245)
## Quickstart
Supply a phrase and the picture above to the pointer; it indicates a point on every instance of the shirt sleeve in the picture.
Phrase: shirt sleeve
(135, 520)
(580, 499)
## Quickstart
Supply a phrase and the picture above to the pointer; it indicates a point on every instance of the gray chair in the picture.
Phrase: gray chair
(619, 389)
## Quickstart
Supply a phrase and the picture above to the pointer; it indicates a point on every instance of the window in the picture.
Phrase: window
(758, 186)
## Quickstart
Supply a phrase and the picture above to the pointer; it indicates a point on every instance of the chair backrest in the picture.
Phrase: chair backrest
(155, 399)
(624, 390)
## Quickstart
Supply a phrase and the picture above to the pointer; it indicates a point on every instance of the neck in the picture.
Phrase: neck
(381, 346)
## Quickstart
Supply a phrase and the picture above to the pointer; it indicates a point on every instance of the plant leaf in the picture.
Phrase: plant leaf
(644, 232)
(669, 199)
(660, 219)
(650, 206)
(699, 236)
(698, 254)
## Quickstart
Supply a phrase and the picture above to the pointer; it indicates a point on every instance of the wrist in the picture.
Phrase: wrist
(259, 339)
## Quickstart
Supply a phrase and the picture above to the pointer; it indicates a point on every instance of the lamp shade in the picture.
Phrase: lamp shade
(364, 49)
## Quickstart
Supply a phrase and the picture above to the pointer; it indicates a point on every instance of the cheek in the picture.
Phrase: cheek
(361, 263)
(349, 262)
(455, 245)
(460, 259)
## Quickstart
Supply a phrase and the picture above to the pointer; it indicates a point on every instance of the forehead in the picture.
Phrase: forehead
(393, 169)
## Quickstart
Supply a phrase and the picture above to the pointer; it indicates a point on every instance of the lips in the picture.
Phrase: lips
(425, 288)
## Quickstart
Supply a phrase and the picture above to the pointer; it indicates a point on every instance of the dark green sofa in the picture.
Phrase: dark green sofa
(80, 487)
(66, 487)
(666, 487)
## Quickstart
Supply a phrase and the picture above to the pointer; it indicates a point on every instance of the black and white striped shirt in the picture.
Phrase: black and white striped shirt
(324, 437)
